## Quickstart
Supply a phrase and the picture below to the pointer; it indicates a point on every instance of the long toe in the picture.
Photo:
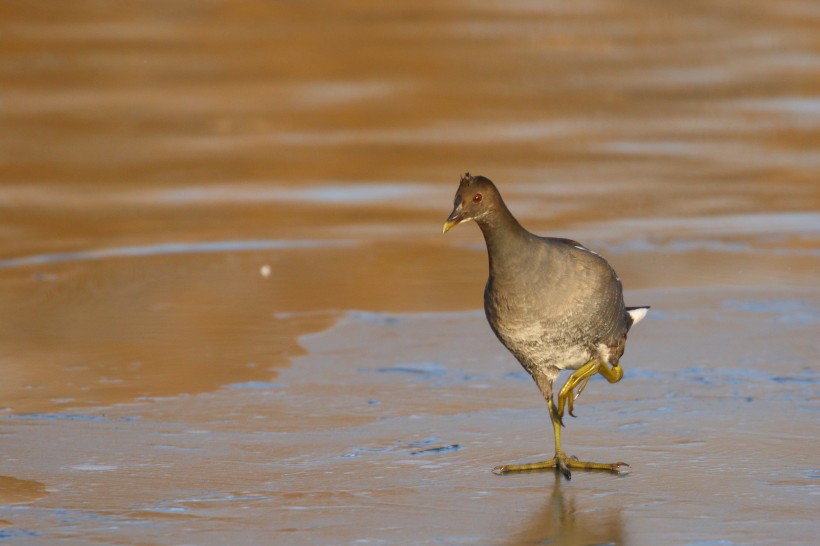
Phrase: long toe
(566, 463)
(615, 468)
(563, 464)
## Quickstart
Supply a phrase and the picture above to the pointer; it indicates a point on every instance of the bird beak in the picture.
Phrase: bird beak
(453, 220)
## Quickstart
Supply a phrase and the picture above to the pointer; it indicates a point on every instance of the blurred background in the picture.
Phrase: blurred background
(154, 156)
(190, 190)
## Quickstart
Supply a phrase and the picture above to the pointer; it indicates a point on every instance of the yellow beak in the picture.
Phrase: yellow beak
(449, 224)
(453, 220)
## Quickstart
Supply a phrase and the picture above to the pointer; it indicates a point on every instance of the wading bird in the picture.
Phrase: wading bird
(553, 303)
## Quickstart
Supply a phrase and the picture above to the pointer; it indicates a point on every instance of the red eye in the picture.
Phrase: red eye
(477, 198)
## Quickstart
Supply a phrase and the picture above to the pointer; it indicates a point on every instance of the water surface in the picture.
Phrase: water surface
(229, 315)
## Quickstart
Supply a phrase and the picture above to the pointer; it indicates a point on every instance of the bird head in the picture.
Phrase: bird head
(474, 199)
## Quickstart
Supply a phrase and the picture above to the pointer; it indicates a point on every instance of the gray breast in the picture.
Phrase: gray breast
(557, 308)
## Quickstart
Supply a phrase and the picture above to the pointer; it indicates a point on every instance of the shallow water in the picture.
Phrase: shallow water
(229, 315)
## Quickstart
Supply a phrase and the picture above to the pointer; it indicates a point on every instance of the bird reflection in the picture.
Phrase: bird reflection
(561, 521)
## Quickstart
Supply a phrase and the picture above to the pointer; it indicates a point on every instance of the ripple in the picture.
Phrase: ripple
(89, 467)
(433, 450)
(164, 249)
(255, 385)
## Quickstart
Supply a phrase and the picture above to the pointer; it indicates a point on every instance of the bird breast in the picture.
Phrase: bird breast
(537, 336)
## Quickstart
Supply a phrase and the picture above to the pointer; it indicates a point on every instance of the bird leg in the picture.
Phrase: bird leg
(561, 462)
(579, 380)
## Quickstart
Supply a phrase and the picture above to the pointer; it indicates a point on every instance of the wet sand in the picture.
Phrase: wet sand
(229, 316)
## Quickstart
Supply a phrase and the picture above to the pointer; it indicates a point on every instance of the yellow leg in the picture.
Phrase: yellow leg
(579, 379)
(560, 461)
(612, 374)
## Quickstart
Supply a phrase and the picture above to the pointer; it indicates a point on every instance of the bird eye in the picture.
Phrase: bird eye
(477, 198)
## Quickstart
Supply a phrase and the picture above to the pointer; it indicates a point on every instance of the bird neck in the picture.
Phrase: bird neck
(505, 239)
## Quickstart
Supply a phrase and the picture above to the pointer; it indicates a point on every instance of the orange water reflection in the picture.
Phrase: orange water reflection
(155, 157)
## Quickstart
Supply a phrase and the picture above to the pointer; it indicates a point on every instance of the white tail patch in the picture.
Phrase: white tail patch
(637, 314)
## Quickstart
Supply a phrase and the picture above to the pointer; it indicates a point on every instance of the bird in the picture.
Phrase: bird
(554, 304)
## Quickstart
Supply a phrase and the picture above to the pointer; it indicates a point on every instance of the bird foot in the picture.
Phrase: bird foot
(576, 383)
(561, 463)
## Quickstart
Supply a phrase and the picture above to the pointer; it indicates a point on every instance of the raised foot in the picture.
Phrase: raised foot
(578, 380)
(561, 463)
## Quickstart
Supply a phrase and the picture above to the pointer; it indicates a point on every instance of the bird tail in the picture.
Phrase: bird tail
(635, 314)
